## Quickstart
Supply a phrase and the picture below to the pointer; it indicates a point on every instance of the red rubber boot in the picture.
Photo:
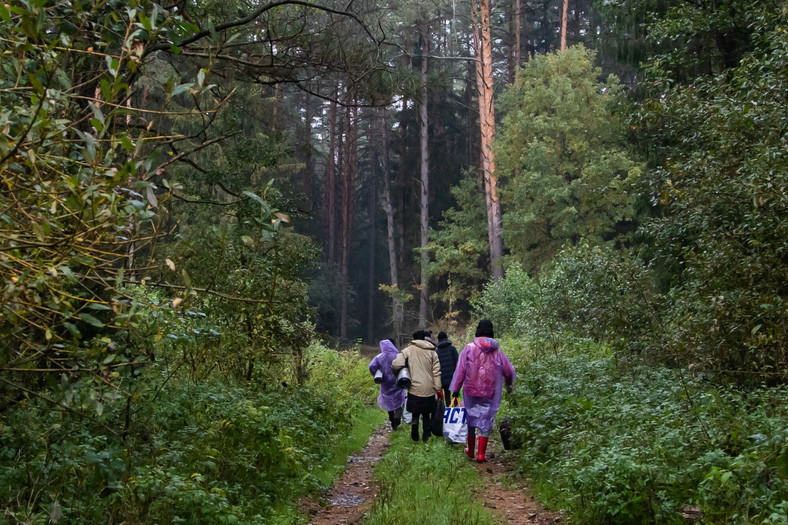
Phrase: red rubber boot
(482, 449)
(471, 446)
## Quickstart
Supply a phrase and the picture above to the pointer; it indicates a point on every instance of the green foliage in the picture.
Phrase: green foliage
(563, 158)
(586, 293)
(345, 371)
(78, 190)
(459, 248)
(430, 483)
(635, 445)
(718, 235)
(188, 452)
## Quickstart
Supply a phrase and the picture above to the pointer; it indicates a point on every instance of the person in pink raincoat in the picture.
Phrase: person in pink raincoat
(391, 397)
(481, 372)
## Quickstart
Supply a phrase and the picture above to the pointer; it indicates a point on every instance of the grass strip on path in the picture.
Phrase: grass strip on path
(426, 483)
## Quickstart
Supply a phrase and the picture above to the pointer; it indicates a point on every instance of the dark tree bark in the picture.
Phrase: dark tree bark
(348, 204)
(425, 180)
(396, 308)
(331, 182)
(373, 205)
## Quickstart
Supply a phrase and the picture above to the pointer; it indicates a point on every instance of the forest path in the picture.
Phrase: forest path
(505, 495)
(355, 491)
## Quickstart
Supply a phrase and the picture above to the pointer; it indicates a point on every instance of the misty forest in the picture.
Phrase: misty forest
(213, 212)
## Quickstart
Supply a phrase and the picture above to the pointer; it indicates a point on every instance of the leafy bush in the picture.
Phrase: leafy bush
(718, 235)
(638, 445)
(184, 451)
(586, 293)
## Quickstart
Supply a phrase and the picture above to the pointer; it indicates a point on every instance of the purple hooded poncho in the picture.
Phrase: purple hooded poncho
(391, 396)
(481, 370)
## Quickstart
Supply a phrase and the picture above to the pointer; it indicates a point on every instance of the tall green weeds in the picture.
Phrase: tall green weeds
(643, 444)
(189, 452)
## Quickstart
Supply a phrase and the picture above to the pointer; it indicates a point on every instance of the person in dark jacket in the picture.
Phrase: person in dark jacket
(447, 355)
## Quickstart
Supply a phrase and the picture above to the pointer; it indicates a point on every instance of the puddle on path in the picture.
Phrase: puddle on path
(356, 489)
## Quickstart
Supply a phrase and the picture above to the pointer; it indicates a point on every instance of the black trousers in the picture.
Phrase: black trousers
(395, 416)
(426, 431)
(421, 407)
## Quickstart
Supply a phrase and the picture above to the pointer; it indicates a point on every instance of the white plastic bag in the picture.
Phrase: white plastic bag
(407, 417)
(455, 426)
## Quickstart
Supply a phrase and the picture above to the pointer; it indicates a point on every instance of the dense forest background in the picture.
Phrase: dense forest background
(202, 201)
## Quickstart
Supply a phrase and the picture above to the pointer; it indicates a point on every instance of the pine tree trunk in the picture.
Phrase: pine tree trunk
(331, 184)
(510, 62)
(425, 182)
(348, 201)
(397, 313)
(484, 82)
(373, 197)
(517, 29)
(563, 24)
(308, 175)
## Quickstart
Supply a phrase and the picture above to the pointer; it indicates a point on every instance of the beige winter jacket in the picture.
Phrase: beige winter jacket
(425, 368)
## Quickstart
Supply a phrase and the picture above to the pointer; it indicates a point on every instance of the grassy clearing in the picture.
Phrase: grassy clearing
(429, 483)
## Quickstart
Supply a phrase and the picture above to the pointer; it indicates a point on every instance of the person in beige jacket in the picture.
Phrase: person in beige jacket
(425, 381)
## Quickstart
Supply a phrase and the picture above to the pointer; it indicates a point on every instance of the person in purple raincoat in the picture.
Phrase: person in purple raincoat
(391, 397)
(481, 372)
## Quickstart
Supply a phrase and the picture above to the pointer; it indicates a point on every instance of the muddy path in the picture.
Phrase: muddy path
(355, 491)
(505, 495)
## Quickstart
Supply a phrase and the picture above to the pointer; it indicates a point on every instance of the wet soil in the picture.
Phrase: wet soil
(355, 491)
(504, 494)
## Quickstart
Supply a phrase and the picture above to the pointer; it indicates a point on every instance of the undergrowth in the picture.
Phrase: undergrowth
(617, 442)
(189, 451)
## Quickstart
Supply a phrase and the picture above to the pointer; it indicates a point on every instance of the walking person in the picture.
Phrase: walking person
(391, 397)
(481, 372)
(447, 355)
(425, 381)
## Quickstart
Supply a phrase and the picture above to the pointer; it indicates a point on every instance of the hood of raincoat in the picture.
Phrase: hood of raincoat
(486, 344)
(388, 347)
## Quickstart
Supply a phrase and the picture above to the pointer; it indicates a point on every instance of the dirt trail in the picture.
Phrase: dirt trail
(504, 495)
(356, 489)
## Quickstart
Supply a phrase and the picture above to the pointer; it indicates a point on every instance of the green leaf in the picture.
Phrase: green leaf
(73, 329)
(99, 306)
(4, 14)
(91, 320)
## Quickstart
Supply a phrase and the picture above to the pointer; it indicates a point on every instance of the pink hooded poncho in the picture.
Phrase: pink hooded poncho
(391, 396)
(481, 371)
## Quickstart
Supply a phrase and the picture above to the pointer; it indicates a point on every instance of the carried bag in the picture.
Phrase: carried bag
(403, 377)
(437, 417)
(508, 438)
(455, 426)
(407, 417)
